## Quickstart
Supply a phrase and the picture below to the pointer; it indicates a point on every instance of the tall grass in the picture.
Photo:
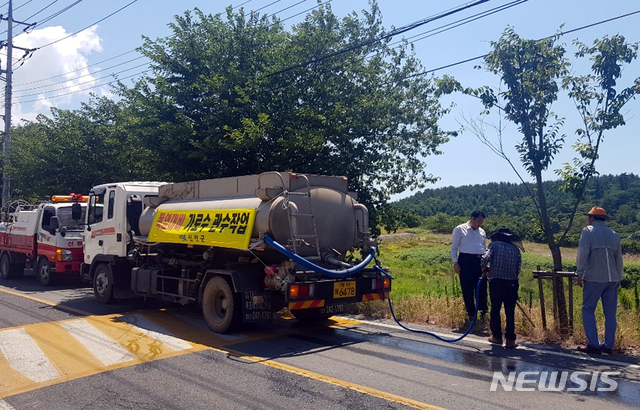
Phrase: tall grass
(426, 290)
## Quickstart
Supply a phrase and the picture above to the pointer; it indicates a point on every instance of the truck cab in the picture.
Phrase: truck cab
(43, 237)
(113, 211)
(59, 240)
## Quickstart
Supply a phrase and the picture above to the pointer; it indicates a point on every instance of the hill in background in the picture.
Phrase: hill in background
(509, 204)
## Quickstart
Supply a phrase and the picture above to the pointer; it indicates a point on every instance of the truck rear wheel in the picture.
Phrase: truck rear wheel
(6, 272)
(103, 284)
(45, 275)
(221, 306)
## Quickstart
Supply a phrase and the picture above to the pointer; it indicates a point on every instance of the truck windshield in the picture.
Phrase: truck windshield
(64, 216)
(96, 206)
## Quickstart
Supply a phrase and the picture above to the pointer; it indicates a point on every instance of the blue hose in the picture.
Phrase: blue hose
(437, 336)
(347, 272)
(336, 274)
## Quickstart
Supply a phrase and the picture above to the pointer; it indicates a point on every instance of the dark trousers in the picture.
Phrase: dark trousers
(503, 291)
(470, 272)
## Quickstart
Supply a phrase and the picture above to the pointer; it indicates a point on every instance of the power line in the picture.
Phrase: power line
(562, 33)
(86, 82)
(289, 7)
(80, 69)
(119, 55)
(22, 5)
(264, 7)
(91, 25)
(46, 19)
(389, 35)
(56, 14)
(84, 75)
(461, 22)
(42, 9)
(242, 4)
(304, 11)
(79, 91)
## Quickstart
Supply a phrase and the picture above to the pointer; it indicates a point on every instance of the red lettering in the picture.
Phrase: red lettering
(160, 224)
(181, 219)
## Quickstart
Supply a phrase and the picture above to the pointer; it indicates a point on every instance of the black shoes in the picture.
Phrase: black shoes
(590, 349)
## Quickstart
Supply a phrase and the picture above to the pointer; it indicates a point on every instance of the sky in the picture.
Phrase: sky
(62, 71)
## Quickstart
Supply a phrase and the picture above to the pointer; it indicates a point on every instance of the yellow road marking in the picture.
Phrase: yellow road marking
(73, 361)
(337, 382)
(10, 377)
(66, 354)
(46, 302)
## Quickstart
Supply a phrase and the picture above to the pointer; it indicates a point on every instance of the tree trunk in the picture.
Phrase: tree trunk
(558, 284)
(558, 290)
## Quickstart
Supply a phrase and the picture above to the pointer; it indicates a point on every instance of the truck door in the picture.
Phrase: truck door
(112, 219)
(46, 236)
(95, 231)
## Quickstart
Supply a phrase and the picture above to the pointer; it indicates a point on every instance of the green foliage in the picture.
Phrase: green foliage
(508, 204)
(631, 275)
(530, 70)
(75, 150)
(599, 104)
(238, 94)
(241, 96)
(430, 259)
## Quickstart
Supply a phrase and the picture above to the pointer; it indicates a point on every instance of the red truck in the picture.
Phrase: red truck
(43, 237)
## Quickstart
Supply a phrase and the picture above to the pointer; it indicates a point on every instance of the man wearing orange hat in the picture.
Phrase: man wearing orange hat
(599, 269)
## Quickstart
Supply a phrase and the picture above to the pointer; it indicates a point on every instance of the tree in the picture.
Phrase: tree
(532, 71)
(74, 150)
(243, 96)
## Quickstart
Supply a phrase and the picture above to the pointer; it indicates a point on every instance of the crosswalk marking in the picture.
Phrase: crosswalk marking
(5, 406)
(41, 354)
(152, 330)
(102, 347)
(25, 356)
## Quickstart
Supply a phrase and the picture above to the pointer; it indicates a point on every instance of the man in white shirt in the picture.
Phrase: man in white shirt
(467, 247)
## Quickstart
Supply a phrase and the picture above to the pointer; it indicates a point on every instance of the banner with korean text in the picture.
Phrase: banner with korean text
(228, 228)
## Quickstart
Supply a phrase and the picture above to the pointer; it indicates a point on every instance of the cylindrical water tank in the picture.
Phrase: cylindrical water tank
(337, 217)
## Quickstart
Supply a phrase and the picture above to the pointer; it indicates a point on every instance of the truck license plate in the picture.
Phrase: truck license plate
(344, 289)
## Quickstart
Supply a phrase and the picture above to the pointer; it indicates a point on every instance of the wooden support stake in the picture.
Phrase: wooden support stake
(554, 283)
(525, 314)
(570, 304)
(544, 317)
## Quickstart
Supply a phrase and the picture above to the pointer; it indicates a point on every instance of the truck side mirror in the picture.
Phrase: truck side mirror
(54, 223)
(76, 211)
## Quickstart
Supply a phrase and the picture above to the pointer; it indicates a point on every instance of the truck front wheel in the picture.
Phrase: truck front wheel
(45, 275)
(221, 306)
(103, 284)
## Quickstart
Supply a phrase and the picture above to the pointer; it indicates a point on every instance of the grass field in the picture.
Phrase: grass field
(426, 290)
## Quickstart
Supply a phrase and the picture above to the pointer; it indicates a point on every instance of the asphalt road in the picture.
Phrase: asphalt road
(62, 350)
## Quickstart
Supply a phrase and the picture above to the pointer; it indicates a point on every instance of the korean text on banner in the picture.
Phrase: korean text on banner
(229, 228)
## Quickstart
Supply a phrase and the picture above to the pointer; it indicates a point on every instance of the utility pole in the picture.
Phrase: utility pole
(6, 141)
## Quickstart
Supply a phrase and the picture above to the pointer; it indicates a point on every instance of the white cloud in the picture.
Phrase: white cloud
(55, 75)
